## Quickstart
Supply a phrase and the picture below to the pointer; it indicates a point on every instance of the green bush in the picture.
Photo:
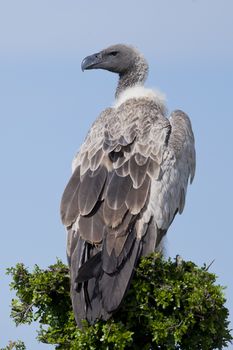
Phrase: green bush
(167, 307)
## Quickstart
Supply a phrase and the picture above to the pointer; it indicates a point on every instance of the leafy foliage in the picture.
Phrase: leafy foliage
(167, 307)
(17, 345)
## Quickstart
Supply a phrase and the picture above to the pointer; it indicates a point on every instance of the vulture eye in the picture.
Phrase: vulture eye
(113, 53)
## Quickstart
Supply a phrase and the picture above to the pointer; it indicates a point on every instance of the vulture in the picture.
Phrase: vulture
(129, 180)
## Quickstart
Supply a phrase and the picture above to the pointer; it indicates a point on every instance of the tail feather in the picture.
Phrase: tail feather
(114, 286)
(91, 268)
(97, 293)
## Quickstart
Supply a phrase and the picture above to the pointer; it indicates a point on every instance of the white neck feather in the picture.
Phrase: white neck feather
(141, 92)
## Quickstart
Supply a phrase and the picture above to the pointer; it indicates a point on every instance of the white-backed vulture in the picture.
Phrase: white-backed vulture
(129, 180)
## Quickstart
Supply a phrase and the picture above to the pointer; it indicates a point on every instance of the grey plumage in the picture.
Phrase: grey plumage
(129, 181)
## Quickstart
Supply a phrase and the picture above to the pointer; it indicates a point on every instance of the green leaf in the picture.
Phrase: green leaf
(167, 307)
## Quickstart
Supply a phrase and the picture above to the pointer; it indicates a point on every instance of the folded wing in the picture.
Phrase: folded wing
(119, 201)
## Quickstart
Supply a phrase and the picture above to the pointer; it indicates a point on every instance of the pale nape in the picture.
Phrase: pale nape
(129, 180)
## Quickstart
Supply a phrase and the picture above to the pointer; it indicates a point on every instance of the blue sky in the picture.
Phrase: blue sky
(47, 105)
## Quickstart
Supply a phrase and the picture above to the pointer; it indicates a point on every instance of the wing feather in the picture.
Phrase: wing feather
(116, 249)
(137, 197)
(114, 286)
(91, 227)
(182, 140)
(177, 166)
(123, 170)
(140, 159)
(129, 181)
(96, 160)
(154, 169)
(113, 217)
(90, 189)
(117, 191)
(69, 208)
(137, 172)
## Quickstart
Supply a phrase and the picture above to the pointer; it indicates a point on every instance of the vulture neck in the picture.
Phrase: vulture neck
(134, 76)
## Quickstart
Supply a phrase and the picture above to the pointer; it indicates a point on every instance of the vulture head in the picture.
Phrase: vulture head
(118, 58)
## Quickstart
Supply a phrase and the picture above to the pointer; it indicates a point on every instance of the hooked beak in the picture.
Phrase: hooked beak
(91, 62)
